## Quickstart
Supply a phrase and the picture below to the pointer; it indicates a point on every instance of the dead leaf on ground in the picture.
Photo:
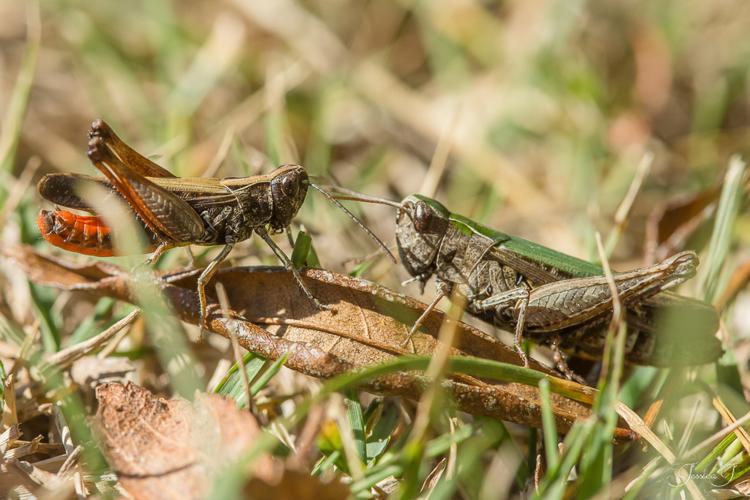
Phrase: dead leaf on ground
(174, 449)
(671, 224)
(368, 324)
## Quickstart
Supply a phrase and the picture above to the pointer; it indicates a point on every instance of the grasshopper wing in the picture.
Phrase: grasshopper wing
(61, 189)
(163, 212)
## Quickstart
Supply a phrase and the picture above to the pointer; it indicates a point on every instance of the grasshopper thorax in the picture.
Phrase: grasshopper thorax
(421, 224)
(288, 189)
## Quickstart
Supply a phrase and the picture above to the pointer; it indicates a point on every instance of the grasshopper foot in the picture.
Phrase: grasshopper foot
(522, 354)
(212, 310)
(318, 304)
(561, 364)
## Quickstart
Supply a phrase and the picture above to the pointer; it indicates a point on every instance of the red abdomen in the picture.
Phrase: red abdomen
(86, 234)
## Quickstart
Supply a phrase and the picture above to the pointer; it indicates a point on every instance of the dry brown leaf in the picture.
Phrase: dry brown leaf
(670, 225)
(172, 449)
(368, 324)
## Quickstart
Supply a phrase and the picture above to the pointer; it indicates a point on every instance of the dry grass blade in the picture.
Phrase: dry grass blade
(66, 357)
(640, 428)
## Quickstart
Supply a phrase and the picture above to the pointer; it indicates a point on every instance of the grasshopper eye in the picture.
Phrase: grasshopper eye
(289, 186)
(422, 217)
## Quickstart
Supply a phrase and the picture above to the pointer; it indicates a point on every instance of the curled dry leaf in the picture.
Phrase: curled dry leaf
(669, 226)
(174, 449)
(368, 324)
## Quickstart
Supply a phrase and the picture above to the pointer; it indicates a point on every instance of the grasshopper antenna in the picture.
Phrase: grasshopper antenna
(355, 219)
(341, 193)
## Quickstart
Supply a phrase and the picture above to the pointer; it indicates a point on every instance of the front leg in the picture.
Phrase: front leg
(288, 264)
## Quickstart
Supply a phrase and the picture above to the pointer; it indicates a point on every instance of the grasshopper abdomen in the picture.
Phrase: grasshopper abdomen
(86, 234)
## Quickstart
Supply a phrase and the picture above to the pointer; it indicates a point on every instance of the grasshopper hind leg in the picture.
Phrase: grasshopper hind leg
(205, 278)
(560, 362)
(500, 302)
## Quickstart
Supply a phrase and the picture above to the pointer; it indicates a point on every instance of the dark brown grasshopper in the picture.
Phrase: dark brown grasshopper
(547, 296)
(175, 211)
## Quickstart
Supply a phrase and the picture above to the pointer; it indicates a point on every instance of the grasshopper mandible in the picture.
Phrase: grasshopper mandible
(550, 297)
(175, 211)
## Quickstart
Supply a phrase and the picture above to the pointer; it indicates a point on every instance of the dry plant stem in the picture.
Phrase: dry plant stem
(689, 428)
(323, 51)
(305, 441)
(450, 468)
(640, 428)
(737, 282)
(614, 326)
(715, 438)
(112, 346)
(221, 153)
(70, 461)
(436, 371)
(221, 294)
(623, 211)
(64, 358)
(726, 415)
(10, 413)
(70, 449)
(439, 159)
(19, 189)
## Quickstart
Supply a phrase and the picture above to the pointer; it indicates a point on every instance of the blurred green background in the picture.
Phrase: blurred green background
(529, 116)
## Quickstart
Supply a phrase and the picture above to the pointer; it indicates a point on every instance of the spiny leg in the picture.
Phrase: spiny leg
(518, 298)
(425, 313)
(205, 277)
(151, 259)
(158, 252)
(288, 264)
(520, 323)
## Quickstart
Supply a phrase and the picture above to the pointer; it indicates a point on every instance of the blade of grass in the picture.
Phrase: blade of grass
(548, 425)
(721, 237)
(230, 480)
(13, 121)
(357, 422)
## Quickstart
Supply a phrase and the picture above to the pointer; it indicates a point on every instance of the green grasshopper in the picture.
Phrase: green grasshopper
(552, 298)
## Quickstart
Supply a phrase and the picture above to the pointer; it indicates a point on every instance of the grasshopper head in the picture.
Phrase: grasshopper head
(288, 189)
(421, 224)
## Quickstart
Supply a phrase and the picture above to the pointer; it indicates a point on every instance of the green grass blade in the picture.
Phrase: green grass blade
(13, 121)
(357, 423)
(549, 428)
(721, 237)
(267, 375)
